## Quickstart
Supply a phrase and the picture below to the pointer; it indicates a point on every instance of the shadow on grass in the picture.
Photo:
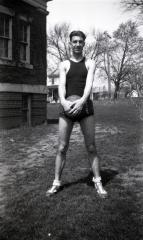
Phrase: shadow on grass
(107, 175)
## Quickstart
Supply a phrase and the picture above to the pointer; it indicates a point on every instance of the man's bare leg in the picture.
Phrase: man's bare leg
(65, 129)
(88, 128)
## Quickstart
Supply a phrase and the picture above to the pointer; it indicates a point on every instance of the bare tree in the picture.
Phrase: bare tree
(124, 54)
(135, 79)
(95, 49)
(133, 5)
(57, 44)
(58, 48)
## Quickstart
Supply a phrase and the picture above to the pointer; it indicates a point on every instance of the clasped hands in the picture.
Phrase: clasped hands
(73, 108)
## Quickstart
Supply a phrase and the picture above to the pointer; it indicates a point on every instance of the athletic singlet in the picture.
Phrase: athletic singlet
(76, 78)
(75, 84)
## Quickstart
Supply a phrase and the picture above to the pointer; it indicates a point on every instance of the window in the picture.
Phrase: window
(5, 36)
(24, 41)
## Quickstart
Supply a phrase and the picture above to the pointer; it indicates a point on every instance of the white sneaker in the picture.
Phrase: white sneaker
(99, 187)
(54, 189)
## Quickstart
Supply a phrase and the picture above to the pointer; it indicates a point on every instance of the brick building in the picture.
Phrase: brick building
(23, 90)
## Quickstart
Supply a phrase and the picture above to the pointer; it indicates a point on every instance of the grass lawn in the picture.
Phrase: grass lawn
(76, 212)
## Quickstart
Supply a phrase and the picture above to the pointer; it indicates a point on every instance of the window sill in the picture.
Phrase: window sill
(8, 62)
(25, 65)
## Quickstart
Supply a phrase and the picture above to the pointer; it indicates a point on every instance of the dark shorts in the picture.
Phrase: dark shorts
(87, 111)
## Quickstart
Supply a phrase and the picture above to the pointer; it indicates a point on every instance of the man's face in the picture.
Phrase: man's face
(77, 43)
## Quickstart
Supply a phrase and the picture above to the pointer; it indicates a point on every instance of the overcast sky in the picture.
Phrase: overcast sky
(103, 15)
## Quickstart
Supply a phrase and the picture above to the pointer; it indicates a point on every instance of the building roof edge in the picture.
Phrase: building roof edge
(41, 5)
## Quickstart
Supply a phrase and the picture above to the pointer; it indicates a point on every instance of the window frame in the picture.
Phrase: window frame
(8, 13)
(27, 43)
(10, 61)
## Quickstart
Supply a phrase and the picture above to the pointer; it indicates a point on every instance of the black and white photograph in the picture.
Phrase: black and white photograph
(71, 120)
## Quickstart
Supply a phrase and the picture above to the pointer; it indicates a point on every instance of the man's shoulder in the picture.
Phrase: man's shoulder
(64, 63)
(90, 63)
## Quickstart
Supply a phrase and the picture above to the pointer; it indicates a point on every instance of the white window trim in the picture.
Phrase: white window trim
(10, 40)
(14, 64)
(6, 10)
(28, 46)
(9, 61)
(10, 13)
(24, 18)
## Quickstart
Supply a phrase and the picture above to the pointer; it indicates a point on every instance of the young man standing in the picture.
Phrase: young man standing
(76, 79)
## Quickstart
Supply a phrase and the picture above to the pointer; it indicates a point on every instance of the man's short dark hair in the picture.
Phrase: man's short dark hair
(77, 33)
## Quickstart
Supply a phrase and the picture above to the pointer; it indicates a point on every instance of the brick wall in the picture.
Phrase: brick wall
(11, 108)
(13, 113)
(38, 108)
(15, 74)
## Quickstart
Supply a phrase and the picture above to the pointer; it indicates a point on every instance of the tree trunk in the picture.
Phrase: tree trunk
(116, 91)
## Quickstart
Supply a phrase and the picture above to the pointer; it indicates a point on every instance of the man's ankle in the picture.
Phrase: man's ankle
(56, 182)
(96, 179)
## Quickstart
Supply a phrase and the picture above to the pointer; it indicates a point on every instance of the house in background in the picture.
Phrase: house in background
(23, 90)
(52, 83)
(99, 90)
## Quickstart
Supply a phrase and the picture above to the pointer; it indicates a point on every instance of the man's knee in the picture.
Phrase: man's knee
(62, 149)
(91, 149)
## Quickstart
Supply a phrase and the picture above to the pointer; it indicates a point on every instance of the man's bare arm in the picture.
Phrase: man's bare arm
(62, 83)
(62, 87)
(78, 104)
(89, 81)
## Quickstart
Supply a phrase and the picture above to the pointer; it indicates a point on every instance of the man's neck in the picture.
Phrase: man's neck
(77, 57)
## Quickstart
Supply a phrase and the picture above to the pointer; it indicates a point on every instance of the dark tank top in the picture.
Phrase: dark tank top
(76, 78)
